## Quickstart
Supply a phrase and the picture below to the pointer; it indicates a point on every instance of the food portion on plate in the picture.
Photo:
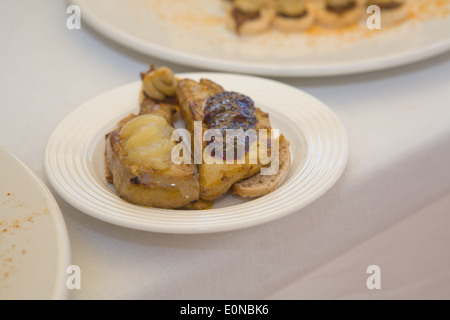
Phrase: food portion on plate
(392, 11)
(293, 15)
(227, 144)
(138, 151)
(248, 17)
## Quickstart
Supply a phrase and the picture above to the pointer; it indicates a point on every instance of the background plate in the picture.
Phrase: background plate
(193, 33)
(34, 245)
(74, 159)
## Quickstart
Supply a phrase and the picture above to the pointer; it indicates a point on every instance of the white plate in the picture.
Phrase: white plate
(34, 245)
(74, 159)
(193, 33)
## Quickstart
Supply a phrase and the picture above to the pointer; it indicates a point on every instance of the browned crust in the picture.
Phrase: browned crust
(259, 185)
(119, 125)
(191, 97)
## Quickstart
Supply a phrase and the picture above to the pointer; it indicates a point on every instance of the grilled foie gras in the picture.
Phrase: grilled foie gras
(215, 108)
(138, 151)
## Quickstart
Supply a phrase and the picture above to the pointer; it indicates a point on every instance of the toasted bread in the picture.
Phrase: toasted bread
(260, 185)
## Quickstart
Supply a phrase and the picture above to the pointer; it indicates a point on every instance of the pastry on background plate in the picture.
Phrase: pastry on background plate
(249, 17)
(293, 15)
(392, 11)
(338, 13)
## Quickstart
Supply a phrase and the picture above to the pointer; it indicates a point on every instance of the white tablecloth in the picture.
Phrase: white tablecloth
(399, 130)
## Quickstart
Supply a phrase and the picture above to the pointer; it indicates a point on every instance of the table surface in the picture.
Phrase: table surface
(398, 123)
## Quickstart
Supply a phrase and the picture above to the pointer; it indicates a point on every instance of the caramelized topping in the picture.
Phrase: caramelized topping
(230, 110)
(159, 83)
(147, 141)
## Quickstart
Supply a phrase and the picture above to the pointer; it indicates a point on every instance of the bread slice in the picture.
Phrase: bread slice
(260, 185)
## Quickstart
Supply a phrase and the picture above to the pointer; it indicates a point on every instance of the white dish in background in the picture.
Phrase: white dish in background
(74, 159)
(34, 244)
(193, 33)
